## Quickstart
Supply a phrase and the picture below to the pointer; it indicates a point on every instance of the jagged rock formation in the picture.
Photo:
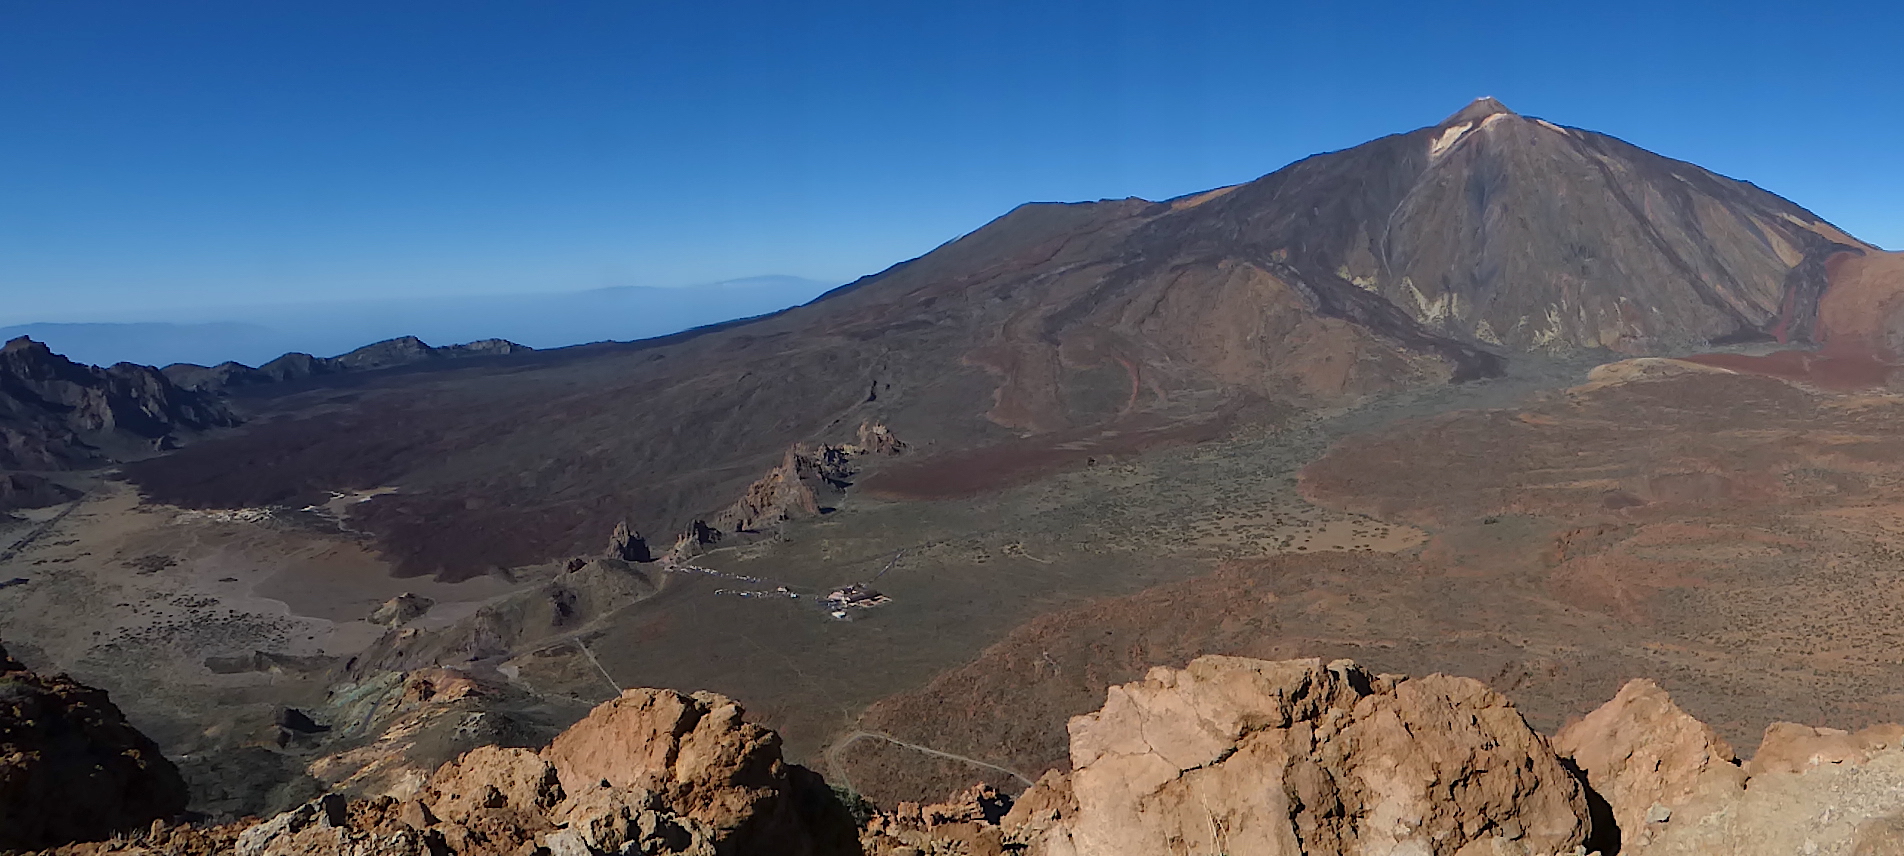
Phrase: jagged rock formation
(1227, 755)
(407, 350)
(161, 840)
(396, 728)
(697, 536)
(1231, 755)
(805, 484)
(1647, 758)
(401, 610)
(71, 768)
(1674, 788)
(971, 822)
(627, 545)
(56, 414)
(653, 771)
(1170, 762)
(876, 439)
(809, 481)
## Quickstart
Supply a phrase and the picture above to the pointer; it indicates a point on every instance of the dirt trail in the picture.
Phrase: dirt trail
(836, 771)
(20, 546)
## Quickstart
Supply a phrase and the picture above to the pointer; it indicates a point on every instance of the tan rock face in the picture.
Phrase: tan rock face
(1249, 756)
(693, 750)
(493, 778)
(1792, 748)
(1848, 808)
(652, 772)
(1676, 790)
(1640, 752)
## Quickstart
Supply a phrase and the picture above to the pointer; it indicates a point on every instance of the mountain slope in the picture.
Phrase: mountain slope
(1073, 331)
(1507, 230)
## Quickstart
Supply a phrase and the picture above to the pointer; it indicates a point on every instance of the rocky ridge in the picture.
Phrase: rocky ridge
(809, 481)
(1226, 755)
(653, 771)
(56, 414)
(403, 351)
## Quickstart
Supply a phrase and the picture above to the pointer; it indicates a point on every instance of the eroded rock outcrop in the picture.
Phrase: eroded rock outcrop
(1231, 755)
(1788, 747)
(1851, 806)
(71, 767)
(402, 609)
(1647, 759)
(591, 590)
(700, 757)
(628, 545)
(1675, 789)
(1227, 755)
(653, 771)
(396, 729)
(803, 485)
(876, 439)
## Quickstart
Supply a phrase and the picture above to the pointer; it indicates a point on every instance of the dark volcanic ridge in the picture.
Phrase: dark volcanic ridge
(56, 414)
(391, 353)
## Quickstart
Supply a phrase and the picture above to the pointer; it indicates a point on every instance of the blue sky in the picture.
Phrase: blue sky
(195, 153)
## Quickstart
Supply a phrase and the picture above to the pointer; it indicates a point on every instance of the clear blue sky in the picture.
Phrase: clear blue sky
(198, 152)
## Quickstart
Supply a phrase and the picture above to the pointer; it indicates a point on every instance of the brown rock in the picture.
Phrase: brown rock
(1640, 751)
(695, 751)
(1041, 807)
(876, 439)
(71, 767)
(1792, 748)
(1879, 836)
(490, 777)
(1250, 756)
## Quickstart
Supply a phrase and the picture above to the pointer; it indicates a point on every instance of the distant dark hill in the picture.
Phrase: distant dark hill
(391, 353)
(57, 414)
(152, 343)
(252, 335)
(1072, 331)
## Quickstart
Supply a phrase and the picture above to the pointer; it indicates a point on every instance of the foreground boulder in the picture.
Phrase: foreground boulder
(653, 771)
(1647, 759)
(1232, 755)
(1673, 787)
(71, 768)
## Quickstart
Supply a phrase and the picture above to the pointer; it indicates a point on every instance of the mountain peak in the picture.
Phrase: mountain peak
(1480, 108)
(23, 343)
